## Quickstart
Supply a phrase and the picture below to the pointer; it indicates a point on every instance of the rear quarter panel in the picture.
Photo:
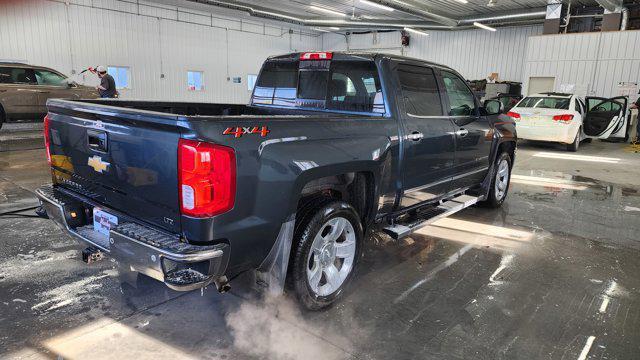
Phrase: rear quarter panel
(272, 170)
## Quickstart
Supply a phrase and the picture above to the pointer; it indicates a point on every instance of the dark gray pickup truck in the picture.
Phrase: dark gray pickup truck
(286, 189)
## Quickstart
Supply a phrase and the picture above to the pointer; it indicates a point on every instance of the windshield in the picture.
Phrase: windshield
(545, 103)
(352, 86)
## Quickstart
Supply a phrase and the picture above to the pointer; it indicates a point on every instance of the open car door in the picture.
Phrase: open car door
(508, 101)
(605, 118)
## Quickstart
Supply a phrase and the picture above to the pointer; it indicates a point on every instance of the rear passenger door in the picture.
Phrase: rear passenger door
(428, 143)
(605, 117)
(473, 138)
(18, 93)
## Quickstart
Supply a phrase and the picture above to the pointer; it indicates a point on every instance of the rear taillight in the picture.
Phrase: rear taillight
(47, 137)
(316, 56)
(564, 117)
(514, 115)
(207, 178)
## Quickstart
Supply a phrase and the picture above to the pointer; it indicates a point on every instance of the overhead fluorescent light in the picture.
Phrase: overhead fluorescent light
(462, 1)
(375, 4)
(328, 11)
(416, 31)
(334, 28)
(483, 26)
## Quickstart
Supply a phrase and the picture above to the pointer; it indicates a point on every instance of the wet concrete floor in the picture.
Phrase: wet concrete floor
(554, 274)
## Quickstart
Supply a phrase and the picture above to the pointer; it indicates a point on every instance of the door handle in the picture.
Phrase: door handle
(462, 132)
(415, 136)
(42, 92)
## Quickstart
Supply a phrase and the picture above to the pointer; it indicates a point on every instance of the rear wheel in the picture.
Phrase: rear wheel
(327, 248)
(573, 147)
(500, 183)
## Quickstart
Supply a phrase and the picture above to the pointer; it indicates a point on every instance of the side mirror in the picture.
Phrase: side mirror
(493, 107)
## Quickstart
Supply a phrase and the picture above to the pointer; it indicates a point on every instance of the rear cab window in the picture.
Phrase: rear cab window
(341, 85)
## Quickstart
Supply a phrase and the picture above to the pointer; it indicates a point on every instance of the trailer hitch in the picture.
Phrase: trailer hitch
(91, 255)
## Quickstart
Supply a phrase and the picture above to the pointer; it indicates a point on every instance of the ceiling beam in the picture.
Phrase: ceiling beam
(524, 17)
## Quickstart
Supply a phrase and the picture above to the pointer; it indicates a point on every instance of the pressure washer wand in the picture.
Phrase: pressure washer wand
(89, 69)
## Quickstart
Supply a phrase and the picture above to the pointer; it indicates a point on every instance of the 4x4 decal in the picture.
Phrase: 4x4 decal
(239, 131)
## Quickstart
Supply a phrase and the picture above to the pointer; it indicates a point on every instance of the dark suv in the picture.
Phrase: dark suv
(25, 89)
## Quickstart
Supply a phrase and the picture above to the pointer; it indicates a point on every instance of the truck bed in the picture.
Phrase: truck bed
(197, 109)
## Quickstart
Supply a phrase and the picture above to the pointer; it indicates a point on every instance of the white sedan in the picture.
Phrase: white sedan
(551, 117)
(564, 118)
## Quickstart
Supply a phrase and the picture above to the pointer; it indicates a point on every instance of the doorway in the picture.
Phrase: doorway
(540, 84)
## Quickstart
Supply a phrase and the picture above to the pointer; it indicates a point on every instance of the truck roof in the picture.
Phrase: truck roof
(359, 55)
(27, 66)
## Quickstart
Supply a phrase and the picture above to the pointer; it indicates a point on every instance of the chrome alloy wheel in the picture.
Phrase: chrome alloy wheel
(502, 179)
(331, 257)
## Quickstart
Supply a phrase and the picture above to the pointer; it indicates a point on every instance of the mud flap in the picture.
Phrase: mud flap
(271, 274)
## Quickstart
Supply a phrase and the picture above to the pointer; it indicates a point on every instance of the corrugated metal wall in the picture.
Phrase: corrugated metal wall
(594, 62)
(474, 53)
(155, 39)
(150, 39)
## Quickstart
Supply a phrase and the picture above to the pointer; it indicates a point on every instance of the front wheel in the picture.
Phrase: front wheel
(327, 248)
(500, 183)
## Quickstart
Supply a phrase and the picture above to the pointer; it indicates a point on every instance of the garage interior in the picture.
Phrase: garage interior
(552, 274)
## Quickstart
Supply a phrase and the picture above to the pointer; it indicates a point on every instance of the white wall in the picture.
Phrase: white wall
(594, 62)
(474, 53)
(151, 39)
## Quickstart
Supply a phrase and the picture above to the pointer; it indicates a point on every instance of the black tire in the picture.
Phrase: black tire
(306, 231)
(575, 145)
(494, 200)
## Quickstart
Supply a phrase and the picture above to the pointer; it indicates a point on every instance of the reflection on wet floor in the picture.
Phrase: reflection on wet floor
(560, 156)
(551, 183)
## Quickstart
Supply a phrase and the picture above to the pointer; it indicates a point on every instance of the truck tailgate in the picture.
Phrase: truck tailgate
(126, 160)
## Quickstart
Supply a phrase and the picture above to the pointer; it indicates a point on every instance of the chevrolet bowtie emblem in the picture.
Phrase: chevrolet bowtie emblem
(97, 164)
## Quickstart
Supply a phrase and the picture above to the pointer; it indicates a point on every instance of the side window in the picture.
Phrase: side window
(5, 75)
(597, 105)
(45, 77)
(194, 81)
(461, 99)
(355, 86)
(120, 76)
(419, 90)
(9, 75)
(251, 81)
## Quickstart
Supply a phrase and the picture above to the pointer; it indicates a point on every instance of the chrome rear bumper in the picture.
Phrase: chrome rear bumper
(136, 247)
